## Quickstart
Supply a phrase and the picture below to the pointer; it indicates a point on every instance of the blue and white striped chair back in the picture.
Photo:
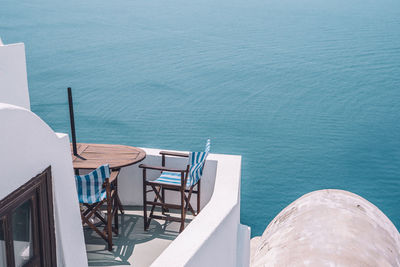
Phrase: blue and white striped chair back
(90, 186)
(208, 146)
(196, 162)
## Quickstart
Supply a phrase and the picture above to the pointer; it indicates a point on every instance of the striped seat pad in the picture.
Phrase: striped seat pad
(172, 178)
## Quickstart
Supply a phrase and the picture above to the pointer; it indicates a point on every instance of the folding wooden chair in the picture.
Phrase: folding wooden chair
(94, 190)
(185, 181)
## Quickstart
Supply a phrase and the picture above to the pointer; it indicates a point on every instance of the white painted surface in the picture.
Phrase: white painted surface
(28, 146)
(13, 78)
(2, 252)
(328, 228)
(215, 237)
(211, 239)
(243, 247)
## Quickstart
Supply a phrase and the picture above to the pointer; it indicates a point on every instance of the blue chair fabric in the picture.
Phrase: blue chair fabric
(90, 186)
(196, 162)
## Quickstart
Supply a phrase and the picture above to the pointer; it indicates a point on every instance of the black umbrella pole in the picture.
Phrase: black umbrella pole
(71, 119)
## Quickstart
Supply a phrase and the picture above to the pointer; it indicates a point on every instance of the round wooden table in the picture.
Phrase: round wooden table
(91, 156)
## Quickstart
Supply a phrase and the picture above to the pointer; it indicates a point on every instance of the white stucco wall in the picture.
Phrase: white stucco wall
(28, 146)
(13, 78)
(215, 237)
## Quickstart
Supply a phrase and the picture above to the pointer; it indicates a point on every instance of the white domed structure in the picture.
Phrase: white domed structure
(328, 228)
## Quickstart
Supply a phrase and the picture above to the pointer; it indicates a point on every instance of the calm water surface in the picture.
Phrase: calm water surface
(307, 91)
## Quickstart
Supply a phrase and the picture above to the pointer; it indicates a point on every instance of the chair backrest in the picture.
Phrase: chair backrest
(208, 146)
(90, 186)
(196, 162)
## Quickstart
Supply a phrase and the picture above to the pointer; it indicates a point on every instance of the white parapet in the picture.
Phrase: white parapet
(13, 78)
(215, 237)
(328, 228)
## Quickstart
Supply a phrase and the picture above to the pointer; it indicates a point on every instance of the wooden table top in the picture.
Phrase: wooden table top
(91, 156)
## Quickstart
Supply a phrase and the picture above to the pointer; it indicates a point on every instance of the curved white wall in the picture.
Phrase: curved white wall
(215, 237)
(328, 228)
(28, 145)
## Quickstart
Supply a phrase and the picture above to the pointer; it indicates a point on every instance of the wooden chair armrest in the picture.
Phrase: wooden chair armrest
(159, 168)
(174, 154)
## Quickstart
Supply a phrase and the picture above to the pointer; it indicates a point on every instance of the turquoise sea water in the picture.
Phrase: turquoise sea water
(307, 91)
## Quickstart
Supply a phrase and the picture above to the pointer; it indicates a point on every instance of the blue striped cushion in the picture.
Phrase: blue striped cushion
(90, 186)
(173, 178)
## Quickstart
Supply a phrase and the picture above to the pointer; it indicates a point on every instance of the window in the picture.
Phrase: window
(27, 225)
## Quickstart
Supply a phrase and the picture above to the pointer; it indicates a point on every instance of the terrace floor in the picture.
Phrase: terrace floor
(133, 246)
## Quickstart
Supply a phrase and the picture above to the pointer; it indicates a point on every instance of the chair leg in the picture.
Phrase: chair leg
(109, 216)
(198, 197)
(156, 198)
(182, 210)
(144, 200)
(91, 225)
(98, 215)
(187, 199)
(120, 207)
(164, 209)
(116, 214)
(151, 214)
(118, 200)
(188, 206)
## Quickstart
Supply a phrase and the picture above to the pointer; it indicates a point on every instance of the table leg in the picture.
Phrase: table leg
(117, 199)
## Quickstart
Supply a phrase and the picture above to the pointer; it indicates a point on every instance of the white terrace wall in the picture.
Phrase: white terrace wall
(27, 147)
(215, 237)
(13, 79)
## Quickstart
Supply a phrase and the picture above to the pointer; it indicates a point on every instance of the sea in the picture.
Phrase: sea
(306, 91)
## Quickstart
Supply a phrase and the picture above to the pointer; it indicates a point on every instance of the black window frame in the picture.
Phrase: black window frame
(39, 191)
